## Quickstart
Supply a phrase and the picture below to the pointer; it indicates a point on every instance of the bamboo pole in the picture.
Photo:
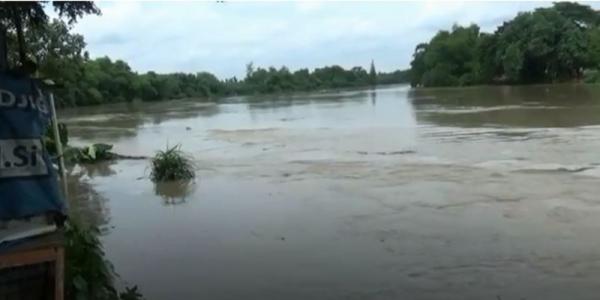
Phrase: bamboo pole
(59, 149)
(3, 50)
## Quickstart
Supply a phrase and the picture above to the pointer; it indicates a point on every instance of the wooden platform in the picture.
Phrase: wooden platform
(18, 259)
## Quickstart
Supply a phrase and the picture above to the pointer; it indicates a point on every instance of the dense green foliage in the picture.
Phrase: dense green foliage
(104, 81)
(399, 76)
(546, 45)
(171, 164)
(87, 272)
(88, 275)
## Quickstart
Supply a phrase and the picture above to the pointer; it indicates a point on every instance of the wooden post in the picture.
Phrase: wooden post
(59, 149)
(3, 50)
(59, 274)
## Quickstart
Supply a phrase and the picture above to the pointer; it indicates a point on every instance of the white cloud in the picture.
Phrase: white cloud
(309, 6)
(222, 37)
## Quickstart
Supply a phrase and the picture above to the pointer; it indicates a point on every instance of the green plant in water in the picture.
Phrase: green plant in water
(89, 154)
(171, 164)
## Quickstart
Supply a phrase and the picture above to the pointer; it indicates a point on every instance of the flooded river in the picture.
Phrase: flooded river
(392, 193)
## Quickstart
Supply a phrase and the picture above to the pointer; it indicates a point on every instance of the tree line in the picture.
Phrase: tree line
(558, 43)
(61, 56)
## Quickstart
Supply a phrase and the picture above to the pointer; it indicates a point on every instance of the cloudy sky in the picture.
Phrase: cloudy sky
(222, 37)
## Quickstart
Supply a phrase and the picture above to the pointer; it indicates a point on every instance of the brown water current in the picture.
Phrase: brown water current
(391, 193)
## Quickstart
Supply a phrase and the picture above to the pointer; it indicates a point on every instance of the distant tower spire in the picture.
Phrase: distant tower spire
(372, 74)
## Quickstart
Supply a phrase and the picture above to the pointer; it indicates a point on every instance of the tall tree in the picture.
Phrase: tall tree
(18, 16)
(545, 45)
(450, 58)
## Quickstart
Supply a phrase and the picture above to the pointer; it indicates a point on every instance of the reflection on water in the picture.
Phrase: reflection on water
(518, 117)
(373, 96)
(390, 193)
(122, 121)
(558, 94)
(101, 169)
(521, 106)
(174, 192)
(85, 203)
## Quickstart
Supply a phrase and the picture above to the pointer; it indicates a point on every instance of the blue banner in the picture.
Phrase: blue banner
(28, 182)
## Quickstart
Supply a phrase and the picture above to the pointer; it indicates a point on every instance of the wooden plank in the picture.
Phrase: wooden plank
(28, 258)
(59, 275)
(55, 239)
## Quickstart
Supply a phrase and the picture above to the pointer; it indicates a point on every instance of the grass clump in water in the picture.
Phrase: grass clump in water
(171, 164)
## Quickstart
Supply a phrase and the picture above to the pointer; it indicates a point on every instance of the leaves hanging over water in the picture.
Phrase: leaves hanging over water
(49, 140)
(89, 154)
(87, 272)
(88, 275)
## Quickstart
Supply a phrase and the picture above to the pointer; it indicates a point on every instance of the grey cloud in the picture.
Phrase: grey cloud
(196, 36)
(110, 39)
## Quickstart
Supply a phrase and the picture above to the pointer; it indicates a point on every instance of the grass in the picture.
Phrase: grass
(171, 164)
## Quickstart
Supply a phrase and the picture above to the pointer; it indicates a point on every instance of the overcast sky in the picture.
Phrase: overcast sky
(222, 37)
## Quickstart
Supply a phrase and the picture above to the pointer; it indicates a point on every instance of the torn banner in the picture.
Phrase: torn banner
(28, 182)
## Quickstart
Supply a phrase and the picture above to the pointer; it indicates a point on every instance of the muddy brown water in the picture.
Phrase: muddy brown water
(392, 193)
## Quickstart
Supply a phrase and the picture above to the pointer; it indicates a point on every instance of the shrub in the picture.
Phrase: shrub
(171, 164)
(88, 274)
(87, 271)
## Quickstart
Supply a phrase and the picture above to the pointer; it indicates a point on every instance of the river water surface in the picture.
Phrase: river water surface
(392, 193)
